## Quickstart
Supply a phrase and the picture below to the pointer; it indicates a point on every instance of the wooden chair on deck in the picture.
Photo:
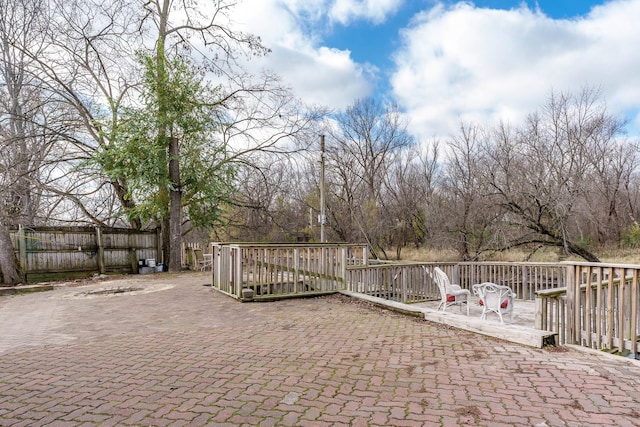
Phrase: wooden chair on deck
(451, 294)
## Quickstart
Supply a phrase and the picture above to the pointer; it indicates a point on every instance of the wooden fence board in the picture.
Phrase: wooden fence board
(49, 253)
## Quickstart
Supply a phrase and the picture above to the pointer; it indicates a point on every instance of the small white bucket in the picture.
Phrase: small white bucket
(151, 262)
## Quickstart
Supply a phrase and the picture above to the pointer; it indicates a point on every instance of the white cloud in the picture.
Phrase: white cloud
(322, 76)
(376, 11)
(464, 63)
(292, 30)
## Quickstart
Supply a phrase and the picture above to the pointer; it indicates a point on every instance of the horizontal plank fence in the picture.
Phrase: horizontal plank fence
(53, 253)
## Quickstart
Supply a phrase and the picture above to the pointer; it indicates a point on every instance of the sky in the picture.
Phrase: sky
(447, 62)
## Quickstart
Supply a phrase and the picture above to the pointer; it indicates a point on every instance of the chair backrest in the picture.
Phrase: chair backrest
(198, 255)
(495, 296)
(442, 280)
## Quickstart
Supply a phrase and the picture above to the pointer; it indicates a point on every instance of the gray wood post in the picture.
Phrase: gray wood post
(100, 243)
(238, 271)
(344, 255)
(159, 254)
(405, 279)
(573, 307)
(22, 248)
(133, 257)
(539, 313)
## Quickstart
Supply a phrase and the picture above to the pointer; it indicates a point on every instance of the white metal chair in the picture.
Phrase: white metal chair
(451, 294)
(495, 298)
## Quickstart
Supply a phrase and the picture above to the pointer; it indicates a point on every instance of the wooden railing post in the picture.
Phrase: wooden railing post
(633, 323)
(539, 312)
(344, 255)
(238, 271)
(405, 277)
(573, 305)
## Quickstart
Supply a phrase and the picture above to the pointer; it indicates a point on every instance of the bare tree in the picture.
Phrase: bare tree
(605, 211)
(24, 140)
(86, 65)
(367, 137)
(544, 173)
(408, 192)
(466, 211)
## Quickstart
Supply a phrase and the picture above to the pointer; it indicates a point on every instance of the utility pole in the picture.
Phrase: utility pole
(323, 217)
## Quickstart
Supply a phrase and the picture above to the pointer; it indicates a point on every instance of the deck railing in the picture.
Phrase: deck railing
(592, 305)
(406, 282)
(524, 278)
(551, 312)
(411, 282)
(602, 310)
(283, 270)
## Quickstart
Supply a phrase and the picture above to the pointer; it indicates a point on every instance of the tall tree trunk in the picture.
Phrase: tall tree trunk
(175, 207)
(11, 274)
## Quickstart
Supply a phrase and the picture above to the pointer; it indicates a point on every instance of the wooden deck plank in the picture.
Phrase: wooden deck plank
(516, 332)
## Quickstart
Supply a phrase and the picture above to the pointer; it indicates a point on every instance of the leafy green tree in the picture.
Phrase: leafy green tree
(167, 150)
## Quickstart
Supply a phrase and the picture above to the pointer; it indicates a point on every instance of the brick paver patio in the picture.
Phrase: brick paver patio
(177, 353)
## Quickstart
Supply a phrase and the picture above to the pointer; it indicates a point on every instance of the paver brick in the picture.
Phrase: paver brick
(190, 356)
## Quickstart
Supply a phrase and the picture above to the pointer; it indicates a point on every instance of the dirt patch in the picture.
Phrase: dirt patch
(113, 291)
(119, 291)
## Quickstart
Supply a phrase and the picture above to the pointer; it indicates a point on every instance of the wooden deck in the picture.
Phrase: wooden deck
(520, 330)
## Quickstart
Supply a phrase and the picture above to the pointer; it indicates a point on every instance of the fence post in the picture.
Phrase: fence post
(22, 248)
(100, 244)
(159, 254)
(133, 256)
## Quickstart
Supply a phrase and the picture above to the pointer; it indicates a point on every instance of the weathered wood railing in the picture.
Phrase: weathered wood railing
(603, 303)
(592, 305)
(411, 282)
(524, 278)
(264, 271)
(406, 282)
(551, 312)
